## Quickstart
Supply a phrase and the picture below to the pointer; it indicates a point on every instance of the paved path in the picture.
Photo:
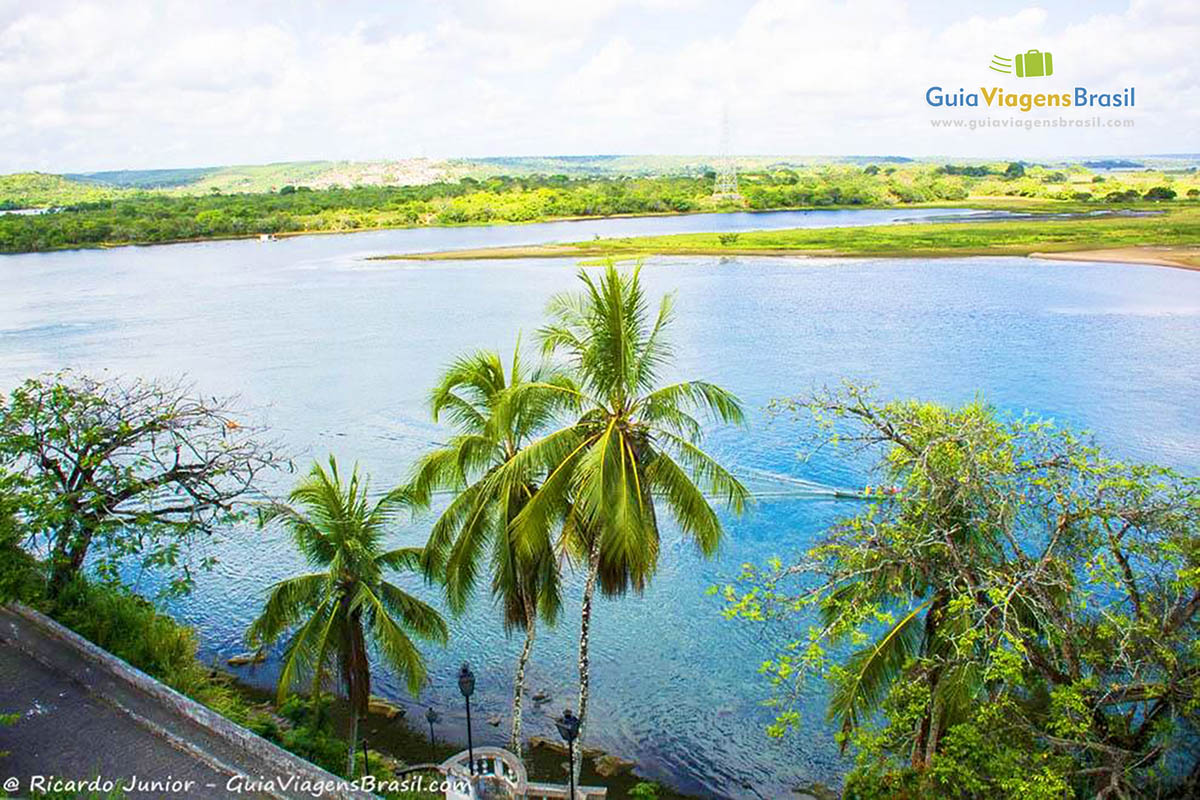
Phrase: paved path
(85, 714)
(68, 732)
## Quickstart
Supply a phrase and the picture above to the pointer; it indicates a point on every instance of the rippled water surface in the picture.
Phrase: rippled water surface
(337, 353)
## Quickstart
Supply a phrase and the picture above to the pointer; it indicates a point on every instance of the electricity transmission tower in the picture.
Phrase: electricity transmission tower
(726, 185)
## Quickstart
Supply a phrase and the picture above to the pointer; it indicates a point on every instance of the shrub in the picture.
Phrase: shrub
(131, 628)
(1160, 193)
(22, 578)
(1127, 196)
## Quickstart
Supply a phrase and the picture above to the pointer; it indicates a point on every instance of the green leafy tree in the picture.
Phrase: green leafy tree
(1159, 193)
(327, 615)
(494, 415)
(1018, 590)
(21, 577)
(632, 452)
(118, 467)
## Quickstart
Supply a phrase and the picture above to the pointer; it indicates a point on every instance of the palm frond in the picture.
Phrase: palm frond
(466, 389)
(286, 602)
(415, 615)
(307, 650)
(402, 559)
(394, 644)
(688, 505)
(721, 404)
(466, 504)
(708, 472)
(871, 671)
(556, 453)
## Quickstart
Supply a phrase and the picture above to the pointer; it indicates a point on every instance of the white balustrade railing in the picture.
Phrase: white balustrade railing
(500, 774)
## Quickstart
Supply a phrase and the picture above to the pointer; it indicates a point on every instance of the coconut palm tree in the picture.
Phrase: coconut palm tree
(493, 416)
(632, 450)
(329, 615)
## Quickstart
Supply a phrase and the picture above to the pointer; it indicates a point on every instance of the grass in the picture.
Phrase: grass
(131, 628)
(1177, 225)
(1008, 237)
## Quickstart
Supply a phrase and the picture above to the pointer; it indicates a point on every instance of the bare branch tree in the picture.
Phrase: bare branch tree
(116, 467)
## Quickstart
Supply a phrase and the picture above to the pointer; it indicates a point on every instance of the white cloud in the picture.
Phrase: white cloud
(92, 85)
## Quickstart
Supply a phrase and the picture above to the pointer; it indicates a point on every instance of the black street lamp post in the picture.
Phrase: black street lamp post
(568, 729)
(432, 716)
(466, 685)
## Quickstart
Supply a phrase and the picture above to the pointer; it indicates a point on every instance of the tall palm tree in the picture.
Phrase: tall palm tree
(327, 615)
(494, 416)
(633, 448)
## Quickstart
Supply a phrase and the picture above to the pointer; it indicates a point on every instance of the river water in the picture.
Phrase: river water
(337, 353)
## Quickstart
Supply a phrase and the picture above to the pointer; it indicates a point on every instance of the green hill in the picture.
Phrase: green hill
(39, 190)
(144, 178)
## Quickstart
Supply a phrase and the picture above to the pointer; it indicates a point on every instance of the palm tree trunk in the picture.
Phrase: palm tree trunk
(353, 743)
(357, 672)
(515, 742)
(585, 626)
(917, 759)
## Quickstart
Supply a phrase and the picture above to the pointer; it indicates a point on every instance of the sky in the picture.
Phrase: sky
(143, 84)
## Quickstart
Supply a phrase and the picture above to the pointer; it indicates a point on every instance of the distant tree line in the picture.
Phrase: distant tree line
(146, 217)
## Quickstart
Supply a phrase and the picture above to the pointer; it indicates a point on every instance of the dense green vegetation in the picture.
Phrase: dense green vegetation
(1019, 617)
(90, 217)
(162, 218)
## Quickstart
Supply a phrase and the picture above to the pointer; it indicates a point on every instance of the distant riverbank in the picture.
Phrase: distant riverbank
(728, 217)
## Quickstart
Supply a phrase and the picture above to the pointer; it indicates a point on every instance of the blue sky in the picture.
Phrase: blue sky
(141, 84)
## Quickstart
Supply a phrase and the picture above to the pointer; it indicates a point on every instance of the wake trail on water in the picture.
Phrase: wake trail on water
(780, 486)
(772, 486)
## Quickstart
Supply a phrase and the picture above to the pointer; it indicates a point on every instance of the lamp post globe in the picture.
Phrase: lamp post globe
(432, 716)
(466, 680)
(568, 726)
(466, 685)
(568, 729)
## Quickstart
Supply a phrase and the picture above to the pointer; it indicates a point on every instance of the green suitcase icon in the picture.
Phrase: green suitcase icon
(1034, 64)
